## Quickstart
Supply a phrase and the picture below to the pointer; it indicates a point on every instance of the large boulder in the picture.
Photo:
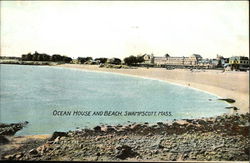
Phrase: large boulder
(3, 140)
(124, 151)
(58, 134)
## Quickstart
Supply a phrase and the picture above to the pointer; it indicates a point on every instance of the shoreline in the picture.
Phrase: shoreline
(206, 139)
(38, 63)
(207, 81)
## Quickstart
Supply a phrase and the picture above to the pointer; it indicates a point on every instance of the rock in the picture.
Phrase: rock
(43, 148)
(18, 155)
(202, 122)
(182, 122)
(189, 120)
(124, 152)
(233, 108)
(175, 124)
(159, 123)
(111, 129)
(150, 134)
(3, 140)
(56, 141)
(58, 134)
(82, 146)
(97, 129)
(108, 129)
(9, 157)
(11, 129)
(229, 100)
(160, 146)
(33, 152)
(136, 127)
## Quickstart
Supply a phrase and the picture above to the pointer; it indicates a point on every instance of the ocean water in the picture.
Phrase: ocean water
(51, 98)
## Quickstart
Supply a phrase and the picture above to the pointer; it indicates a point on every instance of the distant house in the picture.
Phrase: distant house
(220, 61)
(148, 59)
(75, 61)
(239, 63)
(217, 62)
(224, 61)
(194, 59)
(205, 63)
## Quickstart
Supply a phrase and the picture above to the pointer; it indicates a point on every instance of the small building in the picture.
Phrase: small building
(148, 59)
(75, 61)
(206, 63)
(239, 63)
(194, 59)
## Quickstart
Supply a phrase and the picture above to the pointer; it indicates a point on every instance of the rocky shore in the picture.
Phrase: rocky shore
(222, 138)
(11, 129)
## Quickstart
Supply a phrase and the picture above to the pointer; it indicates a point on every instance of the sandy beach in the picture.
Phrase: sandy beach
(234, 85)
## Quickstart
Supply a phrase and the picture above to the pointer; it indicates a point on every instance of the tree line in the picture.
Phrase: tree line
(45, 57)
(83, 60)
(131, 60)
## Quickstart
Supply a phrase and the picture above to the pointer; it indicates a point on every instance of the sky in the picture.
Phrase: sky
(124, 28)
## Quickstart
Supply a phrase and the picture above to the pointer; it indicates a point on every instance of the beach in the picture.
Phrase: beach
(233, 85)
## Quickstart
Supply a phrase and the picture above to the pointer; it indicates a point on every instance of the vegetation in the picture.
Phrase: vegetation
(114, 66)
(115, 61)
(82, 60)
(132, 60)
(45, 57)
(167, 55)
(101, 60)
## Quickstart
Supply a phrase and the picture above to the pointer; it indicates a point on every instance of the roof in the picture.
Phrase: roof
(197, 55)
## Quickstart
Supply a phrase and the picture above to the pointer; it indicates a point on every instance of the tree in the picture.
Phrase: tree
(66, 59)
(131, 60)
(139, 59)
(84, 59)
(115, 61)
(56, 58)
(24, 57)
(29, 57)
(167, 55)
(45, 57)
(101, 60)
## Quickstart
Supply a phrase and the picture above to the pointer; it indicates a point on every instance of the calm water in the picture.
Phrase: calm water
(32, 93)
